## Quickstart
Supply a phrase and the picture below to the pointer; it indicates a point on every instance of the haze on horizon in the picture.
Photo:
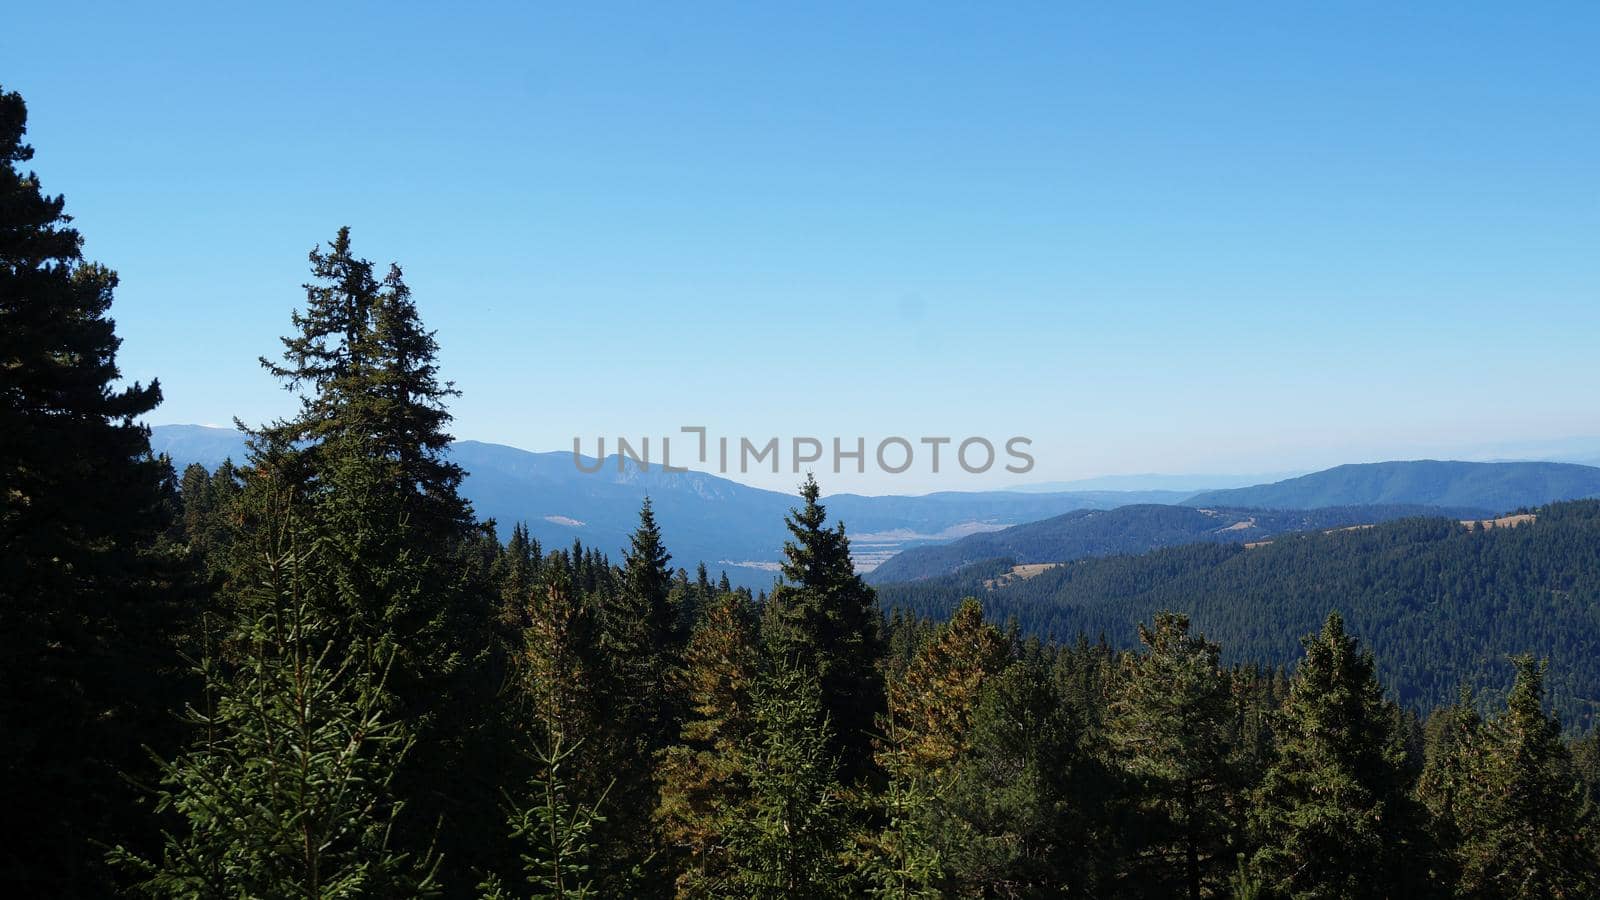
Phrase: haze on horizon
(1173, 240)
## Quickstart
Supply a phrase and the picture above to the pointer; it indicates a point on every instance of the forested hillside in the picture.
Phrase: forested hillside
(1132, 529)
(1443, 604)
(320, 674)
(1498, 486)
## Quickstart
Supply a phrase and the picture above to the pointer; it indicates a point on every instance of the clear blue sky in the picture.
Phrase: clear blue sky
(1185, 237)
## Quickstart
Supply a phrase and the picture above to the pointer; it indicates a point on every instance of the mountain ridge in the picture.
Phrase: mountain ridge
(1135, 528)
(1498, 486)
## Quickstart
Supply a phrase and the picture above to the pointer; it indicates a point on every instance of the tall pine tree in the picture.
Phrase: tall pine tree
(703, 778)
(1169, 736)
(286, 790)
(1334, 814)
(825, 619)
(85, 600)
(1525, 824)
(367, 453)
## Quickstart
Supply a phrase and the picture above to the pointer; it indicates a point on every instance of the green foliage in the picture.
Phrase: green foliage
(1169, 735)
(89, 597)
(1334, 816)
(825, 619)
(375, 669)
(1526, 827)
(1010, 823)
(787, 839)
(366, 456)
(286, 791)
(1442, 604)
(556, 830)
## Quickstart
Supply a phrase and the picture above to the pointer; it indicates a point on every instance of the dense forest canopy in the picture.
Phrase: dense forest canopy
(318, 674)
(1135, 528)
(1444, 604)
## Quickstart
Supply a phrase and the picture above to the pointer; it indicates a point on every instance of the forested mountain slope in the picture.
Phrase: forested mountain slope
(1441, 603)
(1498, 486)
(1132, 529)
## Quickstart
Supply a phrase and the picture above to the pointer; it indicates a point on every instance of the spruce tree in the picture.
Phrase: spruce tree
(367, 453)
(286, 790)
(787, 840)
(635, 654)
(636, 627)
(1526, 827)
(85, 604)
(555, 833)
(932, 701)
(702, 777)
(1011, 822)
(1169, 737)
(824, 618)
(1451, 777)
(1334, 815)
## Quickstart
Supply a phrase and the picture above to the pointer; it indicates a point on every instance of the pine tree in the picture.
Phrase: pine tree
(1334, 815)
(85, 598)
(931, 703)
(1168, 732)
(1526, 827)
(555, 831)
(787, 840)
(636, 626)
(825, 619)
(286, 789)
(635, 655)
(1449, 780)
(366, 452)
(702, 777)
(557, 675)
(1011, 822)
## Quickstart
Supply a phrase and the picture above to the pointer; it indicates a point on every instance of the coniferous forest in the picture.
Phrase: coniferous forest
(315, 673)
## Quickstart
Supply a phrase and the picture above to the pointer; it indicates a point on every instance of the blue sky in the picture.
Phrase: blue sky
(1185, 237)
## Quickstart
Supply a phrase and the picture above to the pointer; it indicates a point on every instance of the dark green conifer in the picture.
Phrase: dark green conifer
(1525, 824)
(703, 779)
(787, 841)
(825, 619)
(1169, 737)
(1334, 815)
(286, 789)
(86, 604)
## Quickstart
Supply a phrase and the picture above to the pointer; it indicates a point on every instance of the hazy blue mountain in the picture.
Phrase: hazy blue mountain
(204, 444)
(1499, 486)
(1156, 482)
(1132, 529)
(729, 525)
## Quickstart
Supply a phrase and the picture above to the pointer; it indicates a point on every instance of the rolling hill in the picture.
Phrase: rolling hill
(1497, 486)
(1131, 529)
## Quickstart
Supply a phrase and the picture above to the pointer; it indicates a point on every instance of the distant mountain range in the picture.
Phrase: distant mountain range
(726, 524)
(1156, 482)
(1133, 529)
(739, 528)
(1498, 486)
